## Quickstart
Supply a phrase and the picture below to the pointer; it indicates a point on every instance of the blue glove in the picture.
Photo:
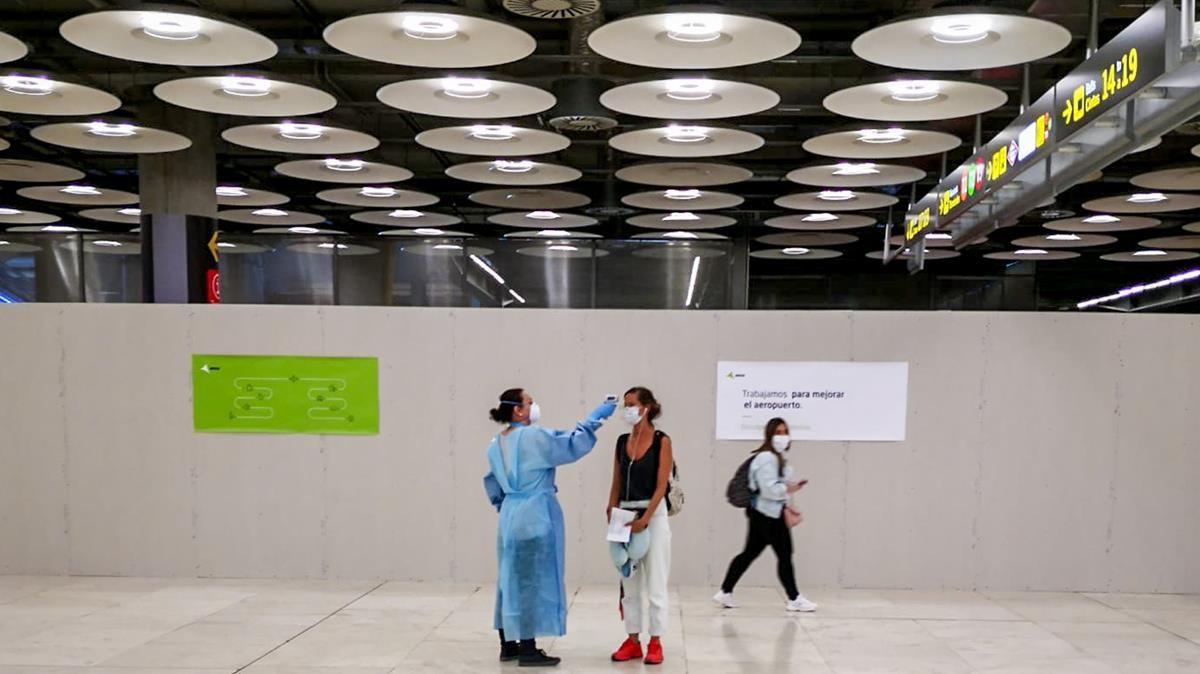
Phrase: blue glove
(604, 411)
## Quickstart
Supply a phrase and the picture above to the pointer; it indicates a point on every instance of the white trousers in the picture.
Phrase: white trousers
(648, 583)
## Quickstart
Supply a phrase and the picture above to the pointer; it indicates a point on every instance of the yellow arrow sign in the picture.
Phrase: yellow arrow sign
(212, 247)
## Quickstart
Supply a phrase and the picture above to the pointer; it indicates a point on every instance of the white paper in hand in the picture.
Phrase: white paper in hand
(618, 531)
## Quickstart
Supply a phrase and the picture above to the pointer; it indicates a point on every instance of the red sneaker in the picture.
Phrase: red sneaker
(630, 650)
(654, 654)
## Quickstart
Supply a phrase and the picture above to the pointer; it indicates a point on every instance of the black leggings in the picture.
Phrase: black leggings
(765, 531)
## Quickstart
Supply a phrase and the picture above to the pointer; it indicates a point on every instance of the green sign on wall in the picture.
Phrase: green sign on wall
(285, 394)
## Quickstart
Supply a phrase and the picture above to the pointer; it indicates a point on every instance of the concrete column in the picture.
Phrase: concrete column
(179, 208)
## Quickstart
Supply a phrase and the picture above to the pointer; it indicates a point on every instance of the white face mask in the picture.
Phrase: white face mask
(535, 414)
(781, 442)
(632, 415)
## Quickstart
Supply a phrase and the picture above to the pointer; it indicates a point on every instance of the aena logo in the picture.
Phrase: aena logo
(732, 375)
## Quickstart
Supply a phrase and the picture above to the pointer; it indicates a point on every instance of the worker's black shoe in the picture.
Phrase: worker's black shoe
(538, 658)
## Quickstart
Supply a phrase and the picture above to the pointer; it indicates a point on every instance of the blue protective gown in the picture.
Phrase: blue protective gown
(531, 597)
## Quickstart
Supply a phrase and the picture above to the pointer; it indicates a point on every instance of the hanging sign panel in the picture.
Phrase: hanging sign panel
(285, 394)
(819, 400)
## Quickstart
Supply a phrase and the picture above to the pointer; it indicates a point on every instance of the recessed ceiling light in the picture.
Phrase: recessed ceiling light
(1147, 198)
(913, 91)
(269, 212)
(230, 191)
(347, 165)
(563, 248)
(59, 228)
(961, 28)
(493, 132)
(554, 232)
(9, 211)
(405, 213)
(226, 244)
(1101, 219)
(447, 246)
(428, 231)
(881, 136)
(293, 131)
(693, 27)
(690, 89)
(339, 246)
(686, 134)
(466, 87)
(682, 195)
(107, 244)
(795, 251)
(171, 26)
(4, 243)
(511, 166)
(81, 190)
(543, 215)
(303, 230)
(27, 86)
(939, 236)
(1064, 237)
(848, 169)
(378, 192)
(111, 130)
(430, 27)
(245, 86)
(130, 211)
(819, 217)
(1030, 251)
(1148, 253)
(680, 217)
(681, 235)
(835, 195)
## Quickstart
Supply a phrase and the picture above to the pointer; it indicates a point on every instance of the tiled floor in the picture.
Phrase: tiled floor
(144, 626)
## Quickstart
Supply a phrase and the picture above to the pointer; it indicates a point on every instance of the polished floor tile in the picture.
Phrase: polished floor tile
(163, 626)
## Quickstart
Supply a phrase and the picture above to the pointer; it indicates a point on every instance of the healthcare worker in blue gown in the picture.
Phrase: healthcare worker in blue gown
(531, 598)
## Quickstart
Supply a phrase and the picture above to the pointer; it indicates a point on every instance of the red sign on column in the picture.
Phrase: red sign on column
(214, 286)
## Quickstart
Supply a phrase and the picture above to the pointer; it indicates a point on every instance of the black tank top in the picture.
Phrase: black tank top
(639, 478)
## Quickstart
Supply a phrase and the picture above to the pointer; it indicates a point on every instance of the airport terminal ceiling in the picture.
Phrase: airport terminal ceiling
(753, 141)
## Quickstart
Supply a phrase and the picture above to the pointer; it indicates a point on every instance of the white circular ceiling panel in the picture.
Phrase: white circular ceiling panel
(1099, 224)
(121, 216)
(28, 94)
(244, 96)
(405, 218)
(676, 38)
(232, 195)
(430, 36)
(170, 38)
(961, 41)
(346, 171)
(493, 140)
(1065, 240)
(300, 138)
(11, 49)
(427, 232)
(675, 199)
(1144, 202)
(815, 222)
(1185, 242)
(852, 174)
(681, 221)
(930, 255)
(915, 100)
(1151, 255)
(269, 217)
(466, 97)
(689, 98)
(78, 195)
(27, 171)
(530, 199)
(116, 137)
(14, 216)
(835, 201)
(1186, 178)
(683, 142)
(881, 143)
(683, 174)
(549, 220)
(514, 172)
(377, 197)
(807, 239)
(796, 253)
(1032, 255)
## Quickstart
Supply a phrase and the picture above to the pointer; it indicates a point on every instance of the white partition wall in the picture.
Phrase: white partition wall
(1043, 451)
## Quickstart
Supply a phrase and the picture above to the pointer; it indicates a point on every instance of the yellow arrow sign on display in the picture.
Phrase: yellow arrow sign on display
(212, 247)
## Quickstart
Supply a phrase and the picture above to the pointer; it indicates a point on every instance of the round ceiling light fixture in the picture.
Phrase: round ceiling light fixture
(682, 195)
(849, 169)
(1064, 237)
(511, 166)
(1147, 198)
(680, 216)
(543, 215)
(293, 131)
(405, 214)
(694, 27)
(690, 89)
(961, 28)
(428, 231)
(303, 230)
(344, 165)
(1101, 219)
(269, 212)
(1149, 253)
(80, 190)
(820, 217)
(680, 235)
(107, 130)
(249, 87)
(493, 132)
(835, 195)
(171, 26)
(132, 212)
(378, 192)
(881, 136)
(795, 251)
(430, 26)
(466, 87)
(913, 91)
(27, 86)
(230, 191)
(1030, 251)
(686, 134)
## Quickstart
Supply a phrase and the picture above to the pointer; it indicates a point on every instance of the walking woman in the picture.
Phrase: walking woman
(772, 485)
(641, 474)
(531, 599)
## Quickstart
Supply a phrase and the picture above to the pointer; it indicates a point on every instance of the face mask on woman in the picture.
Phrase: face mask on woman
(535, 414)
(781, 442)
(632, 415)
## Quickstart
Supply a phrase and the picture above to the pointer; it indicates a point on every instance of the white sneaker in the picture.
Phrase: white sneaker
(724, 599)
(801, 604)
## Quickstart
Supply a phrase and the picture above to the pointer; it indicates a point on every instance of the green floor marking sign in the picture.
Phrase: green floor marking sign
(285, 394)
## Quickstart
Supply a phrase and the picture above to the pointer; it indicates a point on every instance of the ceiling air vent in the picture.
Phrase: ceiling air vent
(552, 9)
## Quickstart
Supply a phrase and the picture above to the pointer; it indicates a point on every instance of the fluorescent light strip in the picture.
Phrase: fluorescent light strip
(1139, 289)
(516, 296)
(692, 282)
(488, 268)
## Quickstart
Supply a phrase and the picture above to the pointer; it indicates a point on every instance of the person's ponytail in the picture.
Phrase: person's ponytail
(510, 400)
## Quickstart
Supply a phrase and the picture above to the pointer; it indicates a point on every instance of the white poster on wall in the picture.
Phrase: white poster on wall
(819, 400)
